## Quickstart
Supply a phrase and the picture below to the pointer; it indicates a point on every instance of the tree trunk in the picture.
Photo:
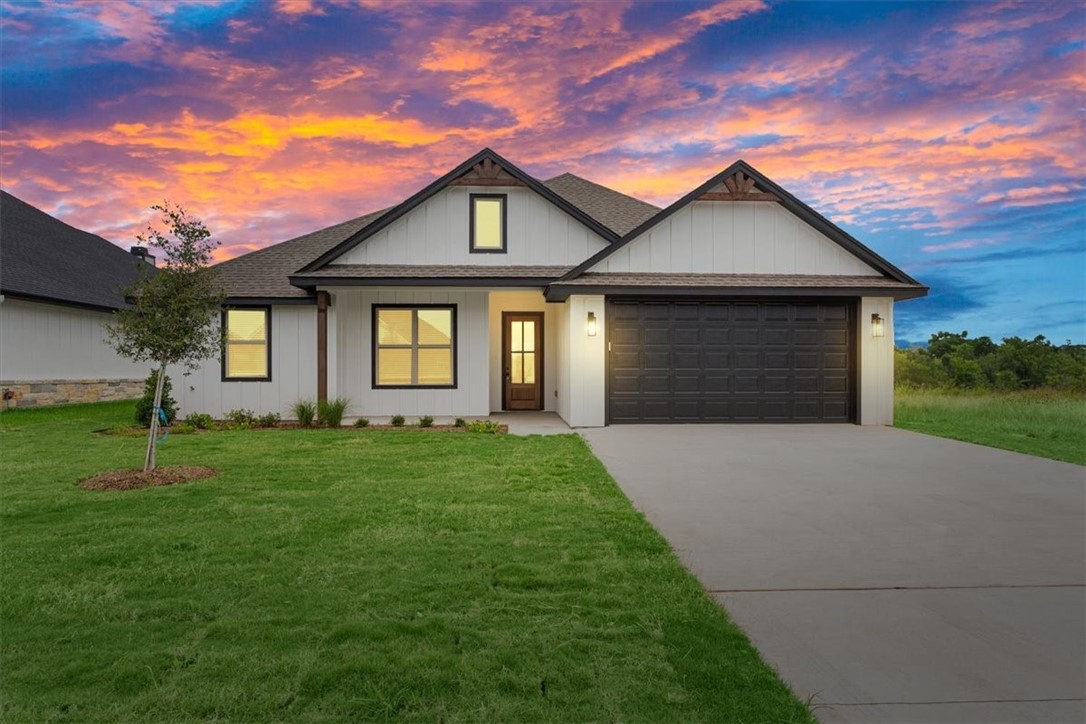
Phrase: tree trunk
(152, 433)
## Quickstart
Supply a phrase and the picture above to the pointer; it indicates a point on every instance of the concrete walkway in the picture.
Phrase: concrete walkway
(891, 576)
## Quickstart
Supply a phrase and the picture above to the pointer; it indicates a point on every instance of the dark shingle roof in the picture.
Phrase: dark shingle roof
(43, 257)
(264, 273)
(617, 211)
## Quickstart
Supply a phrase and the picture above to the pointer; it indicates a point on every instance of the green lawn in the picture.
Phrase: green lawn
(1048, 424)
(335, 575)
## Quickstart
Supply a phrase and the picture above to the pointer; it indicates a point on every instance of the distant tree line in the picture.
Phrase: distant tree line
(952, 360)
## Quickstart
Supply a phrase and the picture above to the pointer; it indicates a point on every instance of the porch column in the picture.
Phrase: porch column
(322, 345)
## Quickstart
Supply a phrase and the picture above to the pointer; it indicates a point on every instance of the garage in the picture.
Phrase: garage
(719, 360)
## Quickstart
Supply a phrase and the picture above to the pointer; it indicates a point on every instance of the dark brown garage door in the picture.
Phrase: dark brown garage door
(730, 361)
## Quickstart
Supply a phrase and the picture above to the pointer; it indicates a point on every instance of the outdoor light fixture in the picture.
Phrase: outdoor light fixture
(876, 326)
(592, 328)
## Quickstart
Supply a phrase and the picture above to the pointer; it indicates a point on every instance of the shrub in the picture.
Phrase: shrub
(331, 412)
(145, 405)
(305, 411)
(396, 421)
(426, 421)
(241, 418)
(269, 420)
(362, 422)
(200, 420)
(491, 427)
(460, 422)
(182, 428)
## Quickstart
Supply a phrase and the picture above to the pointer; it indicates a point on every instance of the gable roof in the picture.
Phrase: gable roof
(397, 212)
(45, 259)
(816, 220)
(617, 211)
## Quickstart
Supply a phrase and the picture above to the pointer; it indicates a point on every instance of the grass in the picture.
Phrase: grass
(1044, 423)
(331, 575)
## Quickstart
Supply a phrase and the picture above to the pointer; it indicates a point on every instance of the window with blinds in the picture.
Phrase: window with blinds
(414, 346)
(246, 354)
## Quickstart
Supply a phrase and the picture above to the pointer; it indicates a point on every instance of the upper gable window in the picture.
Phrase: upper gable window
(487, 225)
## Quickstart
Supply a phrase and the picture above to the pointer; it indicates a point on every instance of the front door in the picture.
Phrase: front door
(522, 360)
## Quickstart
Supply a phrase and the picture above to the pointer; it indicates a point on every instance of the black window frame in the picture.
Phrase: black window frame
(375, 346)
(267, 341)
(505, 223)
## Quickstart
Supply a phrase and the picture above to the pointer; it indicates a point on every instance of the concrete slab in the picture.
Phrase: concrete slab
(896, 576)
(532, 423)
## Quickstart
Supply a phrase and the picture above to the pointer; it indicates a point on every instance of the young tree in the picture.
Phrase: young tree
(173, 313)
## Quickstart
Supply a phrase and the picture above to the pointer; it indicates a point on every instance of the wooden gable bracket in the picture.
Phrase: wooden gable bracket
(737, 187)
(487, 173)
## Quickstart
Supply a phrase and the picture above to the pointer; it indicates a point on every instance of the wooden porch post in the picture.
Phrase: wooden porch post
(322, 345)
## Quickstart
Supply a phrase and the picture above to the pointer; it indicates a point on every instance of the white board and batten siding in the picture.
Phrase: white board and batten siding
(293, 372)
(52, 342)
(436, 233)
(734, 237)
(353, 376)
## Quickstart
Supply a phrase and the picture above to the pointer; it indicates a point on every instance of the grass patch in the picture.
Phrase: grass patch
(1044, 423)
(328, 575)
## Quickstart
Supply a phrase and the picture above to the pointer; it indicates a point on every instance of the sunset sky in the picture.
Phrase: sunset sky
(946, 136)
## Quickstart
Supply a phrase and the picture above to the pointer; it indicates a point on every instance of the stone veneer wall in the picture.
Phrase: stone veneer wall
(42, 393)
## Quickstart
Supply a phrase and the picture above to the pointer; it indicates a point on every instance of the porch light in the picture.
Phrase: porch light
(876, 326)
(592, 326)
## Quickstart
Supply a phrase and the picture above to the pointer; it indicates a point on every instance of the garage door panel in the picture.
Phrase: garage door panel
(730, 361)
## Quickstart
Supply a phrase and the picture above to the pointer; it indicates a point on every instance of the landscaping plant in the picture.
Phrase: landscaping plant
(305, 411)
(269, 420)
(426, 421)
(145, 405)
(486, 426)
(362, 422)
(200, 420)
(242, 419)
(331, 412)
(173, 317)
(396, 421)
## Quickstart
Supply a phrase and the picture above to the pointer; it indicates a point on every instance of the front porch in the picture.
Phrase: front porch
(511, 350)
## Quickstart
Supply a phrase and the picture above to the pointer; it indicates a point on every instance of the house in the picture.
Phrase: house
(491, 290)
(58, 288)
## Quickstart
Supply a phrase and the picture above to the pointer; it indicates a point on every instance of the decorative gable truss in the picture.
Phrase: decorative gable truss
(487, 173)
(737, 187)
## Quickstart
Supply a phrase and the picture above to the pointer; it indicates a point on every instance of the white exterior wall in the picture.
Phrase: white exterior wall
(52, 342)
(532, 301)
(354, 356)
(436, 232)
(734, 237)
(876, 372)
(293, 372)
(586, 358)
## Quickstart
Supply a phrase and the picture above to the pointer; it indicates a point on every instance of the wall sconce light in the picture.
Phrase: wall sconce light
(592, 326)
(877, 329)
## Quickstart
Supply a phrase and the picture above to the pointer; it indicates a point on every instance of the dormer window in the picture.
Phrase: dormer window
(486, 228)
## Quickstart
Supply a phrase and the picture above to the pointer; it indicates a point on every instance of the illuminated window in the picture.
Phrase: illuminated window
(246, 355)
(414, 346)
(487, 224)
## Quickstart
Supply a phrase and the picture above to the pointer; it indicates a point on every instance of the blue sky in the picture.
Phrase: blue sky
(946, 136)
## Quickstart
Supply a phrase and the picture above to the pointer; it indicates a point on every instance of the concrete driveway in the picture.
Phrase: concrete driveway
(891, 576)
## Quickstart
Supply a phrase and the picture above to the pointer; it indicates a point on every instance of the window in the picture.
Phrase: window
(414, 346)
(247, 354)
(487, 223)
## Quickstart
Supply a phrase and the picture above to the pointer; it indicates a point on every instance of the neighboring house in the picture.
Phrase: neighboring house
(491, 290)
(58, 288)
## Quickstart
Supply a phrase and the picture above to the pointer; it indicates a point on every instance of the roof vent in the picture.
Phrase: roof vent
(142, 253)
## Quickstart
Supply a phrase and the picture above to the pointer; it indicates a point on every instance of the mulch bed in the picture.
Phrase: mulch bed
(134, 478)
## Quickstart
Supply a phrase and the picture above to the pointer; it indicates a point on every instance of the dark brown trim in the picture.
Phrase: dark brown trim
(561, 292)
(436, 186)
(323, 300)
(541, 361)
(856, 338)
(312, 282)
(787, 200)
(504, 198)
(267, 343)
(270, 301)
(19, 296)
(374, 308)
